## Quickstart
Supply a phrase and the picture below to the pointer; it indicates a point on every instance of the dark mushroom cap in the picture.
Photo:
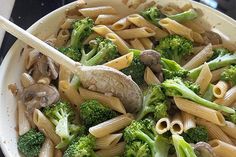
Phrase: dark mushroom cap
(204, 149)
(150, 57)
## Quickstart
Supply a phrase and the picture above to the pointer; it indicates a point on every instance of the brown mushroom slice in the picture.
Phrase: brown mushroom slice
(150, 57)
(53, 68)
(203, 149)
(212, 37)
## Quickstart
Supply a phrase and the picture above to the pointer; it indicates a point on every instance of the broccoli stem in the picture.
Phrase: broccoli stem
(98, 57)
(76, 33)
(184, 16)
(86, 57)
(75, 81)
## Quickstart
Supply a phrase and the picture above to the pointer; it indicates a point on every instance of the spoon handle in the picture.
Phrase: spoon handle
(37, 44)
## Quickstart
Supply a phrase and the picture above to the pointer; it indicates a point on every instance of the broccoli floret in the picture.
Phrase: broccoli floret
(62, 116)
(222, 60)
(93, 112)
(154, 103)
(193, 86)
(30, 143)
(219, 51)
(172, 69)
(176, 87)
(81, 147)
(208, 95)
(231, 117)
(137, 149)
(144, 131)
(136, 68)
(101, 51)
(229, 75)
(183, 149)
(174, 47)
(152, 14)
(71, 53)
(195, 135)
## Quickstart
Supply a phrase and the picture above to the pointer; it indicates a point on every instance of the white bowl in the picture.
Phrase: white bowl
(12, 66)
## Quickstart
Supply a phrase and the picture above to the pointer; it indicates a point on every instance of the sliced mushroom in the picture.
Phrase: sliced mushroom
(53, 68)
(203, 149)
(150, 57)
(212, 37)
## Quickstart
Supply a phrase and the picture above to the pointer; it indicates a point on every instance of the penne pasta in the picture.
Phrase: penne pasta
(110, 101)
(96, 11)
(198, 38)
(146, 42)
(214, 131)
(106, 19)
(216, 74)
(62, 37)
(121, 62)
(67, 23)
(200, 111)
(200, 58)
(132, 33)
(117, 150)
(220, 89)
(108, 141)
(136, 44)
(176, 125)
(43, 124)
(193, 25)
(64, 74)
(26, 80)
(222, 149)
(204, 78)
(23, 123)
(188, 121)
(121, 24)
(58, 153)
(134, 3)
(229, 129)
(102, 30)
(47, 149)
(163, 125)
(229, 97)
(150, 78)
(111, 126)
(168, 10)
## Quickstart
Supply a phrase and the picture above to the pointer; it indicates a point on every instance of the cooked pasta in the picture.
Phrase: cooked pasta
(114, 151)
(136, 44)
(108, 141)
(132, 33)
(104, 19)
(222, 149)
(150, 78)
(102, 30)
(188, 121)
(121, 24)
(23, 123)
(147, 43)
(26, 80)
(47, 149)
(176, 125)
(229, 97)
(216, 74)
(96, 11)
(229, 129)
(163, 125)
(62, 37)
(220, 89)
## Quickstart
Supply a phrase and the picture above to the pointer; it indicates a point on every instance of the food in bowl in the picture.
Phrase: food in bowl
(186, 72)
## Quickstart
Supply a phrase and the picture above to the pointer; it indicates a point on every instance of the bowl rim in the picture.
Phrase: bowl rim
(9, 55)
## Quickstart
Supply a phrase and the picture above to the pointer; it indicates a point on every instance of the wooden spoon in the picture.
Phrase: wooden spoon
(101, 78)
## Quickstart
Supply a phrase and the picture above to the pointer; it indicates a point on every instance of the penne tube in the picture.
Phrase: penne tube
(121, 62)
(64, 74)
(26, 80)
(200, 111)
(168, 10)
(31, 58)
(193, 25)
(204, 78)
(111, 126)
(132, 33)
(96, 11)
(200, 58)
(108, 141)
(134, 3)
(106, 19)
(229, 97)
(136, 44)
(23, 123)
(220, 89)
(110, 101)
(150, 78)
(44, 80)
(43, 124)
(188, 121)
(147, 43)
(198, 38)
(176, 125)
(58, 153)
(163, 125)
(73, 11)
(229, 129)
(122, 47)
(216, 74)
(222, 149)
(62, 37)
(139, 21)
(214, 131)
(121, 24)
(117, 150)
(177, 28)
(102, 30)
(68, 23)
(47, 149)
(70, 92)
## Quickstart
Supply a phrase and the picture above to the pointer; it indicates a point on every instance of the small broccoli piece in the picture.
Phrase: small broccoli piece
(193, 86)
(81, 147)
(71, 53)
(219, 51)
(93, 112)
(152, 14)
(183, 149)
(176, 87)
(231, 117)
(184, 16)
(229, 75)
(208, 95)
(195, 135)
(101, 51)
(154, 103)
(137, 149)
(62, 116)
(222, 60)
(30, 143)
(174, 47)
(144, 131)
(136, 68)
(172, 69)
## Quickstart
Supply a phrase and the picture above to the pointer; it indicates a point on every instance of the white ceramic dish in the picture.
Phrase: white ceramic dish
(12, 65)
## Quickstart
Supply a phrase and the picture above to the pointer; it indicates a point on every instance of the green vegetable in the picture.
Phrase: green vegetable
(144, 132)
(176, 87)
(62, 116)
(174, 47)
(93, 112)
(184, 16)
(183, 149)
(136, 68)
(229, 75)
(137, 149)
(208, 95)
(172, 69)
(30, 143)
(71, 53)
(219, 51)
(154, 103)
(231, 117)
(193, 86)
(195, 135)
(221, 61)
(152, 14)
(81, 147)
